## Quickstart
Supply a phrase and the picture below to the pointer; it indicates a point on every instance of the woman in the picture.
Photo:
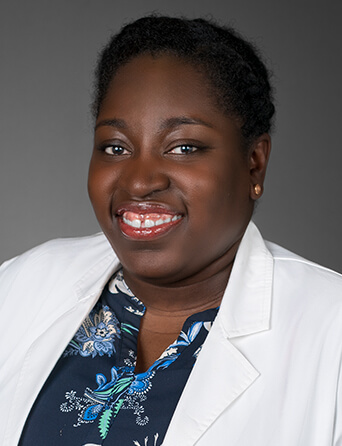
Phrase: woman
(196, 330)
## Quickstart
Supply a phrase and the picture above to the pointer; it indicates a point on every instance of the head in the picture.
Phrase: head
(236, 75)
(183, 111)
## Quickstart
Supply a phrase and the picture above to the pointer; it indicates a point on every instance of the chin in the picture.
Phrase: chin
(151, 267)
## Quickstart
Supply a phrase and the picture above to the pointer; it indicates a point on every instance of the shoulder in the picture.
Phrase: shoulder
(63, 248)
(56, 255)
(305, 280)
(287, 259)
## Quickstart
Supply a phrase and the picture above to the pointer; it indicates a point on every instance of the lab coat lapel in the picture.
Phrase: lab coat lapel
(222, 373)
(47, 343)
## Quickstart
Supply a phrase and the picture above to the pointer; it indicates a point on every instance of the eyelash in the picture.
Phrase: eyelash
(182, 149)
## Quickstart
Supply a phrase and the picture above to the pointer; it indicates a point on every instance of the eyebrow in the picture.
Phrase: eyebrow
(178, 121)
(167, 124)
(118, 123)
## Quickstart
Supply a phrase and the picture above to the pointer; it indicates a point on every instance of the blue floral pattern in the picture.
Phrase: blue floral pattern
(124, 390)
(96, 336)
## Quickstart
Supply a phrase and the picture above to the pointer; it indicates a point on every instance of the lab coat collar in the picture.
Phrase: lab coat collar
(222, 373)
(246, 304)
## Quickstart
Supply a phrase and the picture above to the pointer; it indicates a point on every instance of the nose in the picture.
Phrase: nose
(144, 176)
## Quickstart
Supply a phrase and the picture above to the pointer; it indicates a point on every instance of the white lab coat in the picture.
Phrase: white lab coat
(269, 373)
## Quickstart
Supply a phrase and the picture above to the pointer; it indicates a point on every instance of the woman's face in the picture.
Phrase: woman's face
(168, 180)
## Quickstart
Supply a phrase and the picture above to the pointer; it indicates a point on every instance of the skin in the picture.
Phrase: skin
(153, 107)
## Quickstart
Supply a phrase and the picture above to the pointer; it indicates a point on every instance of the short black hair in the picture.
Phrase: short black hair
(234, 67)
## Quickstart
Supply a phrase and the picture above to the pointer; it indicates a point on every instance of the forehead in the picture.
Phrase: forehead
(164, 82)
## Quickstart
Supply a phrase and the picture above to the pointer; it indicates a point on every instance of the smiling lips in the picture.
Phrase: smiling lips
(147, 225)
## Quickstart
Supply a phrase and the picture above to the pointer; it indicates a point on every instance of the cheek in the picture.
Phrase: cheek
(220, 190)
(223, 208)
(99, 187)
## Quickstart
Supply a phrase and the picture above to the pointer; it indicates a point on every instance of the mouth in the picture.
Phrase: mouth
(147, 222)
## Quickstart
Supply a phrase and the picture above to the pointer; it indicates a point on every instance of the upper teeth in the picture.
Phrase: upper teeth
(147, 221)
(134, 223)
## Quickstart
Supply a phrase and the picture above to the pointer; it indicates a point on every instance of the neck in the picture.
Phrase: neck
(180, 299)
(168, 305)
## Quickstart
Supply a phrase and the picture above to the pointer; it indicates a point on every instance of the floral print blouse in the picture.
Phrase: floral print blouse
(93, 397)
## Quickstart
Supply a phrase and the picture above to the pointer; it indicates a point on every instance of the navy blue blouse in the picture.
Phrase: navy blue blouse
(93, 396)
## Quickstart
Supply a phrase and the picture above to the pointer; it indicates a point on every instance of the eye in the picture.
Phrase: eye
(115, 150)
(183, 150)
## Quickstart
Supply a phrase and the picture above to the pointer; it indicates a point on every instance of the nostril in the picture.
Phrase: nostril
(142, 181)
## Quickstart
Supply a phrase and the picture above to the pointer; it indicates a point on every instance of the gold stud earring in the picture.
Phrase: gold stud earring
(257, 189)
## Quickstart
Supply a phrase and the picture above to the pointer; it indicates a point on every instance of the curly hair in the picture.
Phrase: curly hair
(238, 77)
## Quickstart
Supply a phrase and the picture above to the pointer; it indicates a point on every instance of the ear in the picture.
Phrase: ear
(258, 156)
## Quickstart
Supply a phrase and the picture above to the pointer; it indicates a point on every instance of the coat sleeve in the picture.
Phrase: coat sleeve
(337, 441)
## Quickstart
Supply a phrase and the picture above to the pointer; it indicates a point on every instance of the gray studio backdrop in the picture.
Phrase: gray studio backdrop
(47, 53)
